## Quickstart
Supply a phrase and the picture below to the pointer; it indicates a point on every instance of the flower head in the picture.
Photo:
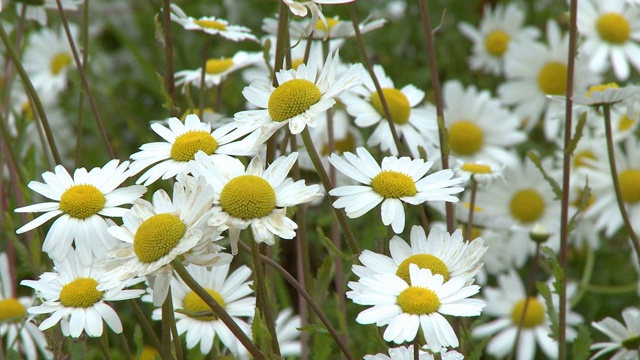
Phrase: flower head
(211, 25)
(624, 338)
(217, 70)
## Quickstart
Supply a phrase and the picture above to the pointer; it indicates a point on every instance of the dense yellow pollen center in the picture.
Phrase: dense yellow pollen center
(496, 42)
(613, 28)
(82, 201)
(188, 144)
(26, 110)
(552, 78)
(330, 21)
(476, 168)
(630, 185)
(601, 87)
(248, 197)
(148, 353)
(59, 62)
(292, 98)
(393, 184)
(527, 205)
(625, 123)
(424, 261)
(296, 62)
(418, 301)
(80, 293)
(194, 303)
(584, 159)
(534, 315)
(12, 310)
(157, 236)
(397, 102)
(342, 145)
(211, 24)
(216, 66)
(465, 137)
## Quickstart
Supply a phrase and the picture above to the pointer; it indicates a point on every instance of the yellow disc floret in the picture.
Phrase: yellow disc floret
(534, 315)
(496, 42)
(211, 24)
(216, 66)
(465, 137)
(393, 184)
(613, 28)
(630, 185)
(248, 197)
(331, 22)
(12, 310)
(626, 123)
(527, 205)
(584, 159)
(418, 301)
(195, 304)
(397, 102)
(601, 87)
(342, 145)
(292, 98)
(552, 78)
(476, 168)
(157, 236)
(188, 144)
(59, 62)
(80, 293)
(82, 201)
(424, 261)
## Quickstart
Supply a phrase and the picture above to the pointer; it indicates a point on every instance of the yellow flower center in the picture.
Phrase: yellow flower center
(292, 98)
(211, 24)
(613, 28)
(194, 303)
(342, 145)
(465, 137)
(527, 205)
(601, 87)
(476, 168)
(397, 102)
(418, 301)
(534, 315)
(157, 236)
(496, 42)
(248, 197)
(424, 261)
(80, 293)
(393, 184)
(26, 110)
(11, 310)
(216, 66)
(320, 26)
(552, 79)
(630, 185)
(625, 123)
(296, 62)
(581, 159)
(148, 353)
(188, 144)
(59, 62)
(82, 201)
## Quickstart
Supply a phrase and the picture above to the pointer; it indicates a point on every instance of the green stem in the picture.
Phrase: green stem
(85, 58)
(168, 48)
(612, 290)
(203, 73)
(472, 205)
(586, 276)
(167, 310)
(103, 341)
(148, 329)
(124, 343)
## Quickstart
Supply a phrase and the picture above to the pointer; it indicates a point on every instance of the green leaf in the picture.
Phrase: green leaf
(314, 329)
(577, 135)
(322, 346)
(582, 343)
(545, 292)
(551, 181)
(332, 247)
(261, 334)
(323, 278)
(476, 351)
(167, 101)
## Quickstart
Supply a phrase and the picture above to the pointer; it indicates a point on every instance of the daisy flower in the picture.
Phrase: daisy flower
(22, 336)
(499, 29)
(301, 96)
(444, 254)
(229, 290)
(398, 180)
(82, 203)
(333, 29)
(253, 197)
(407, 308)
(412, 124)
(507, 303)
(406, 353)
(286, 326)
(299, 7)
(471, 122)
(534, 71)
(624, 338)
(48, 59)
(484, 173)
(607, 94)
(612, 31)
(217, 70)
(71, 296)
(211, 25)
(182, 141)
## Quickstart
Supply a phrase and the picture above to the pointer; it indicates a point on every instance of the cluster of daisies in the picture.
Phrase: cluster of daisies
(221, 184)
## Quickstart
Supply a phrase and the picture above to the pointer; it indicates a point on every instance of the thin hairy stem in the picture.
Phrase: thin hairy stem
(472, 206)
(148, 329)
(203, 73)
(103, 341)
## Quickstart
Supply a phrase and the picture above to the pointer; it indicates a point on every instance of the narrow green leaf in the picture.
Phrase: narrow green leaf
(332, 247)
(551, 181)
(577, 135)
(582, 343)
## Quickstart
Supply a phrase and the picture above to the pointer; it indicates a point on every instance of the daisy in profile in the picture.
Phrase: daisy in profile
(211, 25)
(507, 304)
(299, 99)
(607, 94)
(624, 337)
(230, 290)
(483, 172)
(396, 181)
(413, 124)
(70, 295)
(407, 307)
(471, 122)
(253, 197)
(302, 7)
(335, 28)
(444, 254)
(82, 204)
(22, 335)
(406, 353)
(535, 71)
(612, 35)
(499, 29)
(217, 70)
(182, 141)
